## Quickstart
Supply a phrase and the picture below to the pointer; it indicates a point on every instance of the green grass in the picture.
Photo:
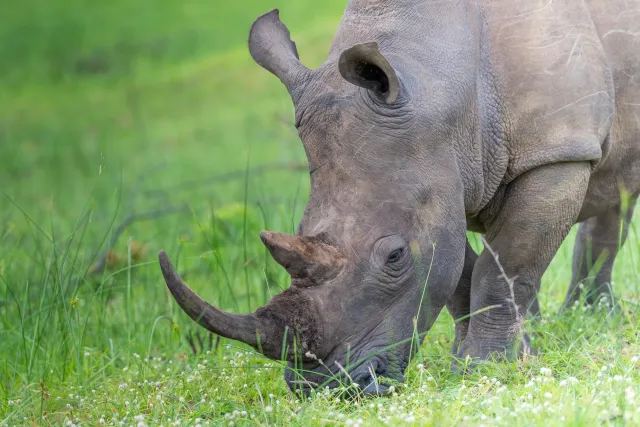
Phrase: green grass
(107, 111)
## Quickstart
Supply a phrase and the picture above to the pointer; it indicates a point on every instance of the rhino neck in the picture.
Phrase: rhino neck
(419, 28)
(442, 52)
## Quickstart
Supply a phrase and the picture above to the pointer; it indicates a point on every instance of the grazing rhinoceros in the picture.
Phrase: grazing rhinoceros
(511, 118)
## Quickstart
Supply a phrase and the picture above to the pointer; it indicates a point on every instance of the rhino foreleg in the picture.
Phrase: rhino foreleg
(597, 244)
(535, 216)
(459, 305)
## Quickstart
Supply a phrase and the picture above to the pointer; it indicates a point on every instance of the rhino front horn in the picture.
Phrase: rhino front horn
(307, 259)
(240, 327)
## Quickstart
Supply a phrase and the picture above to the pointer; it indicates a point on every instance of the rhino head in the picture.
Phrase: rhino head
(380, 246)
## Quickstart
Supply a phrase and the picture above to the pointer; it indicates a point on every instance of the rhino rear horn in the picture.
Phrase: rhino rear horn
(304, 257)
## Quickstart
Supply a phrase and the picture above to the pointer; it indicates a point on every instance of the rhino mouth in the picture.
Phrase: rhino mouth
(368, 376)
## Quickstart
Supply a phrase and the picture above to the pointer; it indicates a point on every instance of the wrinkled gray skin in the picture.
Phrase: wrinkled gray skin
(515, 119)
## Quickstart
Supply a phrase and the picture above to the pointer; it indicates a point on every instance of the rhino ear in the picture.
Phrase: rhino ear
(271, 47)
(364, 66)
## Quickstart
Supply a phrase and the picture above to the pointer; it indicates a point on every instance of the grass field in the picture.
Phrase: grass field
(154, 112)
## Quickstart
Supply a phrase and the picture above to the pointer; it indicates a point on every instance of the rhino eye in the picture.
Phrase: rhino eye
(395, 256)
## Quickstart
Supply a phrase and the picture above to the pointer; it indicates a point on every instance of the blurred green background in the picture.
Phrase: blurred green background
(131, 85)
(121, 108)
(129, 109)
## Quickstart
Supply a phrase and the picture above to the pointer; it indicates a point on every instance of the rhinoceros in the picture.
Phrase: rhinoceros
(515, 119)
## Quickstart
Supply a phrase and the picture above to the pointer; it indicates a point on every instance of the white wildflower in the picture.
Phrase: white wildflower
(630, 395)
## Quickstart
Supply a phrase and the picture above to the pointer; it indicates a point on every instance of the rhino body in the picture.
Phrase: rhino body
(514, 119)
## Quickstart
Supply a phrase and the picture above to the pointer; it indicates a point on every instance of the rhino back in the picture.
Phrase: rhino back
(555, 80)
(618, 25)
(543, 76)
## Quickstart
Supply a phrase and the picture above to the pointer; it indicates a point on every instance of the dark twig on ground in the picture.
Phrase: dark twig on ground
(202, 347)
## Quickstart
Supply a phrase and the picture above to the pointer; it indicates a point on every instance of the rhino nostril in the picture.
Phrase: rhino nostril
(371, 386)
(369, 378)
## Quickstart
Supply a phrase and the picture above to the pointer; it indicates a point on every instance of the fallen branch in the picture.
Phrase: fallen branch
(228, 176)
(102, 261)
